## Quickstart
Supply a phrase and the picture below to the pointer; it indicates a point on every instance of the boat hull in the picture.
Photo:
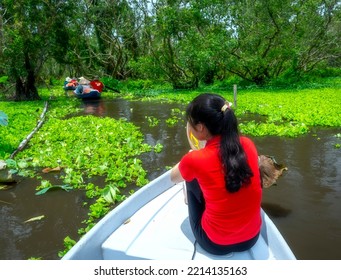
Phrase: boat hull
(91, 95)
(153, 224)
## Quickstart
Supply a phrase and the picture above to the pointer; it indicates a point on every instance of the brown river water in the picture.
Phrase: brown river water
(305, 205)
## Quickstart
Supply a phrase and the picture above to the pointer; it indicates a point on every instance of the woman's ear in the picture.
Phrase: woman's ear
(199, 127)
(203, 132)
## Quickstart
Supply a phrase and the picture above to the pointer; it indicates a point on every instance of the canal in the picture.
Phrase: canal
(305, 205)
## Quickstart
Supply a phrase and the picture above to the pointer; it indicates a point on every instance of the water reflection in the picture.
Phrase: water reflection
(94, 107)
(305, 204)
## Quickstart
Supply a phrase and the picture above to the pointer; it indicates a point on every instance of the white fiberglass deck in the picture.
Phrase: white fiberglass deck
(160, 230)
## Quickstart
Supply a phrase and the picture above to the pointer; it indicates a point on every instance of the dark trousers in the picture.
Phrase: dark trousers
(196, 207)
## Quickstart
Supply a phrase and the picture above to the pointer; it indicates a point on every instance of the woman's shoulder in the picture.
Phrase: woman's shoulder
(195, 157)
(247, 143)
(245, 139)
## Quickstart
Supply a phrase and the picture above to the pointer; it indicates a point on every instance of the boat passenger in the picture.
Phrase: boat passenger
(97, 84)
(69, 84)
(84, 87)
(67, 80)
(223, 184)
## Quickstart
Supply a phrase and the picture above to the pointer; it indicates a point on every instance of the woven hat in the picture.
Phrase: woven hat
(83, 81)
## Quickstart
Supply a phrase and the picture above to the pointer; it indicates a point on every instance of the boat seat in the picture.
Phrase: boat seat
(166, 235)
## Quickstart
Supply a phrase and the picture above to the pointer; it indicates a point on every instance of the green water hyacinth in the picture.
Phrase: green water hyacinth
(22, 118)
(287, 113)
(88, 146)
(46, 186)
(290, 129)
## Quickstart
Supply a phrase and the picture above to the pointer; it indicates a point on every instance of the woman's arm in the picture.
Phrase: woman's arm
(176, 176)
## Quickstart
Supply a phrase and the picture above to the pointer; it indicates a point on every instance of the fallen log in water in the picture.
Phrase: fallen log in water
(28, 138)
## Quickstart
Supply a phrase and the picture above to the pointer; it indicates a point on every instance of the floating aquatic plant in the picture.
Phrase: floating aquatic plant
(80, 148)
(158, 148)
(152, 121)
(46, 186)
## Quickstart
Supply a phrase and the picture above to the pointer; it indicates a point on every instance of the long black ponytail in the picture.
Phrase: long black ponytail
(215, 113)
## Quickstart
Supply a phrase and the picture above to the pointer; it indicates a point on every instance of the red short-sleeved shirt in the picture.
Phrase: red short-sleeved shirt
(98, 85)
(229, 218)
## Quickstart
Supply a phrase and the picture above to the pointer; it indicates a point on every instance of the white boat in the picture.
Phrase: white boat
(152, 224)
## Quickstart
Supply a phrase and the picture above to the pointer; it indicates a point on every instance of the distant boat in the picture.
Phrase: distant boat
(69, 88)
(85, 91)
(94, 94)
(70, 84)
(153, 224)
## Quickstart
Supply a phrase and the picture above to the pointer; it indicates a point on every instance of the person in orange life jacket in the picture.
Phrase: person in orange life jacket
(223, 184)
(74, 81)
(97, 84)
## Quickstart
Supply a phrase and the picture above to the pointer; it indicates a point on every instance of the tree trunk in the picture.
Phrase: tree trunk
(26, 90)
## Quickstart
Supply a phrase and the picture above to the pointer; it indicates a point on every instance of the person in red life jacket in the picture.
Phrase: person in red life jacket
(97, 84)
(222, 179)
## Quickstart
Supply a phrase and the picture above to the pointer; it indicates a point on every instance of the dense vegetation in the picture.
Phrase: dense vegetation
(109, 148)
(181, 42)
(283, 55)
(287, 112)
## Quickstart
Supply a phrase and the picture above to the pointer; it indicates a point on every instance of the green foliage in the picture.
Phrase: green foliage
(152, 121)
(22, 119)
(46, 186)
(3, 79)
(158, 148)
(176, 116)
(111, 83)
(325, 72)
(146, 68)
(286, 113)
(88, 146)
(111, 194)
(85, 147)
(79, 142)
(228, 83)
(296, 109)
(132, 85)
(33, 32)
(97, 210)
(182, 43)
(290, 129)
(68, 244)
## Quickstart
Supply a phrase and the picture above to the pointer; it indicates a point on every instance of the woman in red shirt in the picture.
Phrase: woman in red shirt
(222, 179)
(97, 84)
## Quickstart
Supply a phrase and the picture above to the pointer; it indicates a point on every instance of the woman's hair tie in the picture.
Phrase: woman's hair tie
(226, 106)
